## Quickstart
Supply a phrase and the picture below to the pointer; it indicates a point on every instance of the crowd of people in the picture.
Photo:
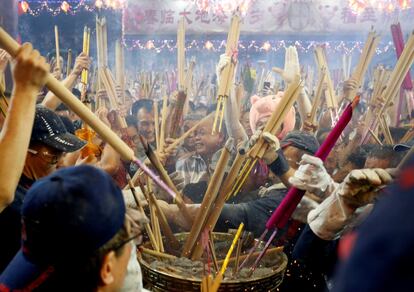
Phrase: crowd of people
(70, 223)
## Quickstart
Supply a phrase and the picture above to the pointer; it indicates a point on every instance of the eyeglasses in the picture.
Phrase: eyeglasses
(46, 156)
(122, 243)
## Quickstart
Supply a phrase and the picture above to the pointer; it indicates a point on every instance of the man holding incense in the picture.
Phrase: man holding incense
(48, 141)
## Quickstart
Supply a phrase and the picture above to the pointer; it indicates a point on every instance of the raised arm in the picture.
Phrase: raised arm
(29, 76)
(82, 62)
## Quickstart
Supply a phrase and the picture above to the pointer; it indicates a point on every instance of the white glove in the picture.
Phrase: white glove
(330, 217)
(270, 155)
(292, 67)
(223, 62)
(312, 176)
(359, 188)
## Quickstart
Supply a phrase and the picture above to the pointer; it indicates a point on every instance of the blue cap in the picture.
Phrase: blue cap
(301, 140)
(65, 216)
(403, 146)
(49, 129)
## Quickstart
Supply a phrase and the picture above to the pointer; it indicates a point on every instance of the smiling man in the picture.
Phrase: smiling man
(195, 168)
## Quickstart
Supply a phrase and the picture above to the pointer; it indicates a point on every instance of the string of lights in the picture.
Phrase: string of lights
(343, 47)
(56, 7)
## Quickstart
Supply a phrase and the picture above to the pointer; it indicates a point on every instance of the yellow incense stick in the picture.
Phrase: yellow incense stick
(236, 238)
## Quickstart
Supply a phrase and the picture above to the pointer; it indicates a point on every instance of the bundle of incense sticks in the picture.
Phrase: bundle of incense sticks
(226, 75)
(394, 83)
(380, 79)
(181, 54)
(101, 47)
(398, 40)
(147, 226)
(317, 97)
(272, 126)
(188, 87)
(120, 68)
(407, 84)
(365, 59)
(330, 96)
(208, 200)
(160, 220)
(175, 115)
(85, 50)
(214, 214)
(57, 47)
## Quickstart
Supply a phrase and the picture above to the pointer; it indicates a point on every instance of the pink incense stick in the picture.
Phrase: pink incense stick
(154, 177)
(398, 39)
(288, 205)
(407, 84)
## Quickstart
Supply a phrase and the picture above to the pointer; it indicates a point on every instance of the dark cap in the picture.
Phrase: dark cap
(66, 216)
(301, 140)
(49, 129)
(403, 146)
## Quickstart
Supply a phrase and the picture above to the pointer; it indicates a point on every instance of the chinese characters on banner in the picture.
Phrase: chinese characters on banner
(263, 16)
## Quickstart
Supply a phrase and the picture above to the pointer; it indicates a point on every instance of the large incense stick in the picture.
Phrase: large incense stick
(208, 199)
(226, 75)
(212, 217)
(119, 68)
(365, 59)
(330, 95)
(66, 96)
(317, 97)
(69, 63)
(57, 47)
(181, 54)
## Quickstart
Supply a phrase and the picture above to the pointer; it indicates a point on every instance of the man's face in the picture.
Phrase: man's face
(293, 156)
(205, 143)
(120, 268)
(246, 124)
(146, 124)
(42, 160)
(189, 142)
(374, 162)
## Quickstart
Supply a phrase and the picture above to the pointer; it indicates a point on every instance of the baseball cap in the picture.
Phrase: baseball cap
(49, 129)
(404, 146)
(301, 140)
(66, 217)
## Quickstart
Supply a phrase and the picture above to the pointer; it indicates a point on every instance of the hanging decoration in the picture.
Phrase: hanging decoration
(252, 46)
